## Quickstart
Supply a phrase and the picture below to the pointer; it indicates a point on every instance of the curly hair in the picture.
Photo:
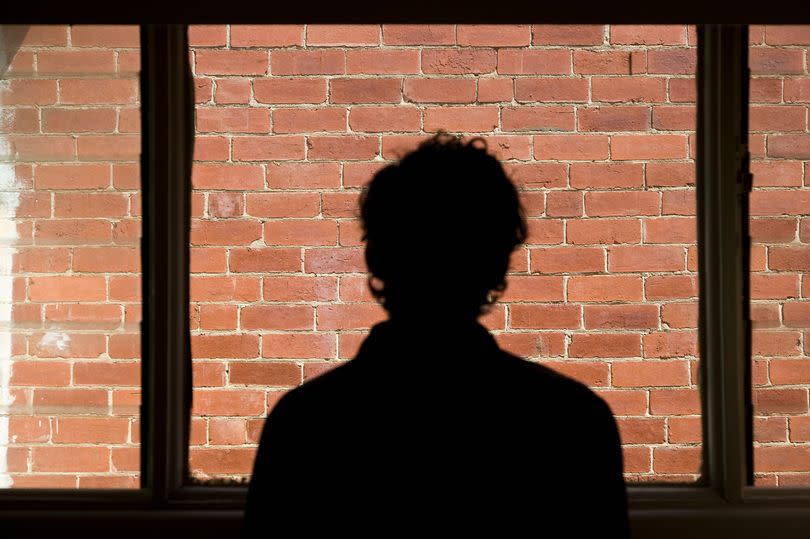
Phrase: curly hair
(442, 221)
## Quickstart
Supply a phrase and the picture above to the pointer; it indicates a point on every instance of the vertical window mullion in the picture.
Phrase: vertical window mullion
(722, 194)
(168, 139)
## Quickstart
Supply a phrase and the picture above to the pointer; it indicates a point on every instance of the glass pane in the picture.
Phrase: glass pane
(780, 254)
(594, 123)
(69, 257)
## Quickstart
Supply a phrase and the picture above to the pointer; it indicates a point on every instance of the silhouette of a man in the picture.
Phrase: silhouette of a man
(432, 428)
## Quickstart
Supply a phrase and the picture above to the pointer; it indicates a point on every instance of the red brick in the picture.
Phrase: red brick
(685, 460)
(550, 316)
(613, 118)
(43, 373)
(674, 61)
(775, 343)
(779, 118)
(643, 147)
(231, 62)
(233, 91)
(493, 35)
(647, 34)
(637, 430)
(562, 204)
(382, 61)
(226, 288)
(291, 120)
(225, 346)
(464, 119)
(79, 430)
(650, 373)
(601, 62)
(97, 91)
(534, 62)
(67, 288)
(227, 176)
(232, 120)
(774, 286)
(789, 258)
(303, 175)
(604, 345)
(300, 232)
(230, 232)
(772, 203)
(340, 147)
(260, 260)
(439, 90)
(790, 371)
(669, 344)
(797, 89)
(665, 287)
(557, 89)
(670, 175)
(621, 316)
(568, 260)
(621, 203)
(45, 35)
(628, 89)
(645, 258)
(299, 345)
(780, 401)
(458, 61)
(308, 62)
(544, 231)
(266, 35)
(538, 118)
(782, 458)
(334, 260)
(211, 461)
(776, 173)
(670, 230)
(28, 92)
(290, 90)
(419, 34)
(604, 288)
(571, 147)
(104, 36)
(58, 120)
(75, 62)
(376, 90)
(493, 90)
(343, 35)
(220, 402)
(226, 431)
(533, 288)
(274, 373)
(268, 148)
(576, 35)
(766, 61)
(207, 35)
(384, 119)
(218, 316)
(70, 459)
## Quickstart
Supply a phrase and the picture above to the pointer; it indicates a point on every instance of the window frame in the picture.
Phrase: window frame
(724, 497)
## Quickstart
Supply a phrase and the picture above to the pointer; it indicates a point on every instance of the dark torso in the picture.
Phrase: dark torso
(451, 433)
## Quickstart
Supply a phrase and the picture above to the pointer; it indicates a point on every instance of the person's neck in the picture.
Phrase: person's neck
(433, 320)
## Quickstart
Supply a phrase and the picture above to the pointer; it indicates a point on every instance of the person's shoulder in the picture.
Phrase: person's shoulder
(327, 386)
(550, 385)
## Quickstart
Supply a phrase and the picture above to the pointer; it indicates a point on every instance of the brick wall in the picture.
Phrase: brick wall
(70, 228)
(595, 124)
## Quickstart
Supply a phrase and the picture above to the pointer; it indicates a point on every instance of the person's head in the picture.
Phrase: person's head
(439, 226)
